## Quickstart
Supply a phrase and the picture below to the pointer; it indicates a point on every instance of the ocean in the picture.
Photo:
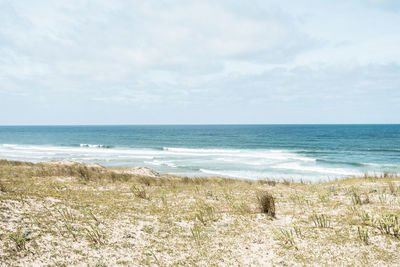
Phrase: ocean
(307, 152)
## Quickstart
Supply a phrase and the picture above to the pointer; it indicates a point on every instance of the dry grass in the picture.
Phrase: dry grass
(75, 214)
(267, 203)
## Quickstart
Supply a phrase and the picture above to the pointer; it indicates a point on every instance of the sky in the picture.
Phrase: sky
(199, 62)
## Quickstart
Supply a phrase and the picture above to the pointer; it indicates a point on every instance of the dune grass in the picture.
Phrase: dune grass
(72, 214)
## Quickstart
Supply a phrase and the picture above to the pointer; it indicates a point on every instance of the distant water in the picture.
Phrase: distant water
(309, 152)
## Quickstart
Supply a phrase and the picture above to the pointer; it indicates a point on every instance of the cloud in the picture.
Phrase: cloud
(126, 40)
(329, 86)
(194, 54)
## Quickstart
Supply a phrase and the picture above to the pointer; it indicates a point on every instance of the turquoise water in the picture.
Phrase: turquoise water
(309, 152)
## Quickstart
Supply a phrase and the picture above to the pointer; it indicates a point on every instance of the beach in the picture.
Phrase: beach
(67, 213)
(200, 133)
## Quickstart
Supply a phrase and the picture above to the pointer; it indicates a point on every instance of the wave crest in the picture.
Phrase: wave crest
(95, 146)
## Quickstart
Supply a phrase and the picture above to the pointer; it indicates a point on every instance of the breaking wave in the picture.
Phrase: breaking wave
(234, 163)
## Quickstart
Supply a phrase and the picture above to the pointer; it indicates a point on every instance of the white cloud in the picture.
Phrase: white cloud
(197, 53)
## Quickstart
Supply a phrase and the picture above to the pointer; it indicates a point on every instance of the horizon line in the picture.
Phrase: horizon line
(190, 124)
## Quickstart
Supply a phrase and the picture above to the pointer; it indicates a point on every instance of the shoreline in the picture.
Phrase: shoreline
(282, 178)
(74, 214)
(146, 171)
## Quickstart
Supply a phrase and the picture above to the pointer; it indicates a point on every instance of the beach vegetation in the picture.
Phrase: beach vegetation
(358, 199)
(205, 213)
(267, 182)
(383, 198)
(66, 215)
(286, 237)
(94, 234)
(392, 188)
(267, 203)
(388, 224)
(240, 206)
(75, 215)
(365, 217)
(363, 235)
(197, 234)
(3, 187)
(321, 220)
(145, 180)
(20, 239)
(139, 192)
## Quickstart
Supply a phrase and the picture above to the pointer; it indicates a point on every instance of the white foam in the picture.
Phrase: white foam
(90, 145)
(135, 157)
(251, 162)
(200, 150)
(155, 163)
(237, 163)
(162, 162)
(253, 175)
(9, 145)
(271, 154)
(316, 169)
(381, 165)
(233, 174)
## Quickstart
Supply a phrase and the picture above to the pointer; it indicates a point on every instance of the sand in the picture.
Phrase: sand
(73, 214)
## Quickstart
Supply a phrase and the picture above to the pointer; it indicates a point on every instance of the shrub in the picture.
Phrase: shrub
(356, 199)
(205, 213)
(365, 217)
(286, 237)
(268, 182)
(363, 235)
(388, 224)
(321, 221)
(267, 203)
(139, 192)
(145, 180)
(20, 239)
(196, 234)
(392, 188)
(3, 188)
(94, 234)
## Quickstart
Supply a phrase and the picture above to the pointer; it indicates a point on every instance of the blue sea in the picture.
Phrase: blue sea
(307, 152)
